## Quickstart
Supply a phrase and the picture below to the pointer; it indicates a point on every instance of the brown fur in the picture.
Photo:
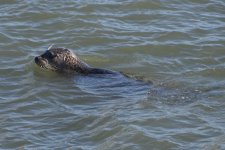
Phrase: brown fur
(64, 60)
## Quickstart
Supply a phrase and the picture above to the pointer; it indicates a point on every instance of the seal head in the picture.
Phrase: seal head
(64, 60)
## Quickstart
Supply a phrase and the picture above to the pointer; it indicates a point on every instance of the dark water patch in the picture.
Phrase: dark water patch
(172, 95)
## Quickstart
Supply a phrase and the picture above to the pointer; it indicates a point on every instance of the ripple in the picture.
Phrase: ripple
(179, 46)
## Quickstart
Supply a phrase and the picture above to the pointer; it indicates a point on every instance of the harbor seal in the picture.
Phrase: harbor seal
(64, 60)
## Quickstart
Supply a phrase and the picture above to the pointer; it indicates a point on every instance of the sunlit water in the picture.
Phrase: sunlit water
(177, 45)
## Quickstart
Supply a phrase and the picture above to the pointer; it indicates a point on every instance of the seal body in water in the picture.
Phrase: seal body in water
(64, 60)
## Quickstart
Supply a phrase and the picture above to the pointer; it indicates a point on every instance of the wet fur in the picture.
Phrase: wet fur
(64, 60)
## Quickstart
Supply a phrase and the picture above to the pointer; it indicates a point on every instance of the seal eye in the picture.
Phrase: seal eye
(49, 55)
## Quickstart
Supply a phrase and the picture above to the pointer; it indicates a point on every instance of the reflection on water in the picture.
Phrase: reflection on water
(177, 45)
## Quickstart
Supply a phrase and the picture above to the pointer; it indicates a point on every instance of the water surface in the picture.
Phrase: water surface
(178, 45)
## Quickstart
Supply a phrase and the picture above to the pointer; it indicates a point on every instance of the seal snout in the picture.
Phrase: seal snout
(39, 61)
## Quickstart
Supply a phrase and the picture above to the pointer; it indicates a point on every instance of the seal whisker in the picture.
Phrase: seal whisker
(50, 46)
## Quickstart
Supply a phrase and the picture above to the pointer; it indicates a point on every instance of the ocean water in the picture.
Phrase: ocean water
(177, 45)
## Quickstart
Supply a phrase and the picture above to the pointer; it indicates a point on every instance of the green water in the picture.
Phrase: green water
(178, 45)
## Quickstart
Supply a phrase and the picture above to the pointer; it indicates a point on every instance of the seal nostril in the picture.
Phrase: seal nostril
(36, 59)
